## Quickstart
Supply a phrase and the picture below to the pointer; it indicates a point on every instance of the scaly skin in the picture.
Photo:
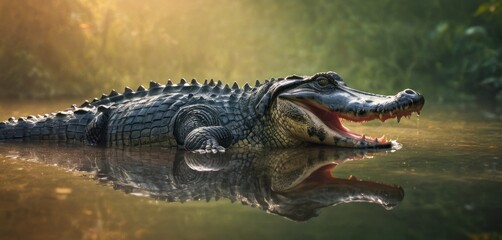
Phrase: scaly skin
(293, 183)
(210, 117)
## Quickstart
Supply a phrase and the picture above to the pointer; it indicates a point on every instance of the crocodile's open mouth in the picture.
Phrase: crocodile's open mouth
(333, 121)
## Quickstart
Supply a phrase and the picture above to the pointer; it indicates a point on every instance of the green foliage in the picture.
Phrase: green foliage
(449, 50)
(470, 53)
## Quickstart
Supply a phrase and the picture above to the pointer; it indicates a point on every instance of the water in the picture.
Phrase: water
(444, 183)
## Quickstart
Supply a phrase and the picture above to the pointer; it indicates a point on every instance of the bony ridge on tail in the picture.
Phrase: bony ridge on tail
(210, 117)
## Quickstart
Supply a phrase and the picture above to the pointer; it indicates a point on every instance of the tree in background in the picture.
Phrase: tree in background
(468, 54)
(42, 44)
(61, 48)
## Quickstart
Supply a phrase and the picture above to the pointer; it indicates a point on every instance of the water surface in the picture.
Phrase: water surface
(444, 183)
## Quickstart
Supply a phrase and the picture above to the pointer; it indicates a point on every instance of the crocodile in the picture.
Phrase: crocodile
(295, 183)
(211, 117)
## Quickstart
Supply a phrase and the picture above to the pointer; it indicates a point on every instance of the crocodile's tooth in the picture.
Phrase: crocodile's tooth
(247, 87)
(211, 83)
(127, 90)
(380, 139)
(399, 118)
(95, 100)
(154, 84)
(169, 83)
(363, 138)
(380, 116)
(257, 84)
(194, 82)
(183, 81)
(141, 88)
(352, 177)
(390, 113)
(219, 83)
(235, 86)
(103, 96)
(113, 93)
(418, 113)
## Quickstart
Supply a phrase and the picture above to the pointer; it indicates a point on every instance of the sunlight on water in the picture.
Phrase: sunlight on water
(443, 183)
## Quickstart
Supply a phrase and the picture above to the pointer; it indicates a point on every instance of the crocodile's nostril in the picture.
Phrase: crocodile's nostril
(409, 91)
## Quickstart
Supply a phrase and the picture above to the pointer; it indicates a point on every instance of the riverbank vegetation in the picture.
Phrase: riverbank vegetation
(449, 50)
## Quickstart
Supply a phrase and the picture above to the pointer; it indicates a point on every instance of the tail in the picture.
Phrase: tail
(62, 126)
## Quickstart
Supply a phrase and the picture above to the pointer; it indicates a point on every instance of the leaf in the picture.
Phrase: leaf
(483, 8)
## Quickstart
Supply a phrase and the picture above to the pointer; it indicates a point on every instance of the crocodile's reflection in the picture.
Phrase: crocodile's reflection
(294, 183)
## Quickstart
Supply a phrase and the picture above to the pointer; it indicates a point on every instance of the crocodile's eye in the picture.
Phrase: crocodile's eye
(323, 81)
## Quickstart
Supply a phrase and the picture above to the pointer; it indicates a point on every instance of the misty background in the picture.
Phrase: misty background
(448, 50)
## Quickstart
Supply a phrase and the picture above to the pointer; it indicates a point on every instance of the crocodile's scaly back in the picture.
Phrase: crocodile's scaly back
(67, 125)
(136, 117)
(211, 116)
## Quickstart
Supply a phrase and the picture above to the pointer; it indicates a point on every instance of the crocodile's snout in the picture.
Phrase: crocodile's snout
(411, 96)
(211, 117)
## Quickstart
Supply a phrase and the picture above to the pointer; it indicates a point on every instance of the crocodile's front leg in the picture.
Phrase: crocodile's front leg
(197, 128)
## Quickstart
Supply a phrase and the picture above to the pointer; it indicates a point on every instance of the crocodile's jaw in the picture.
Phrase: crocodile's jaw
(309, 126)
(331, 190)
(318, 120)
